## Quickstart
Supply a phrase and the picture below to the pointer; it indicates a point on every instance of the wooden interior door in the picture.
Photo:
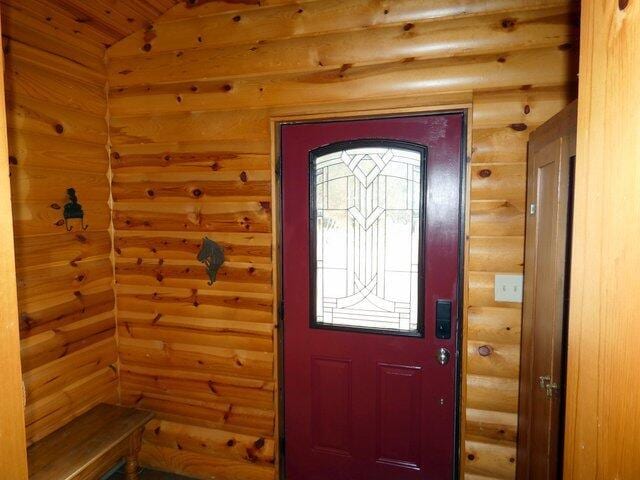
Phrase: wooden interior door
(547, 250)
(371, 227)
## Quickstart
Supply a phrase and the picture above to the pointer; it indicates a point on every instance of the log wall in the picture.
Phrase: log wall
(56, 107)
(191, 102)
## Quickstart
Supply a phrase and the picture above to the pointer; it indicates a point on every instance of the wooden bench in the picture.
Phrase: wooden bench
(88, 446)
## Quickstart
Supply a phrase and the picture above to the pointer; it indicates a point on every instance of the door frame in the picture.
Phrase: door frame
(464, 107)
(13, 446)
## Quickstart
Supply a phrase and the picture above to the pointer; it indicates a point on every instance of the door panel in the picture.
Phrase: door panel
(551, 149)
(399, 408)
(331, 405)
(370, 242)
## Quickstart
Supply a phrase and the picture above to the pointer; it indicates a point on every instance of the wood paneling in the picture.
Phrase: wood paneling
(603, 426)
(56, 108)
(79, 29)
(191, 101)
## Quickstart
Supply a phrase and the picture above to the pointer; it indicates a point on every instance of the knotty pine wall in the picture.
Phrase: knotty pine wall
(57, 132)
(191, 100)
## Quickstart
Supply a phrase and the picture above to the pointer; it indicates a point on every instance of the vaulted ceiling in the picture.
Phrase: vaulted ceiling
(98, 23)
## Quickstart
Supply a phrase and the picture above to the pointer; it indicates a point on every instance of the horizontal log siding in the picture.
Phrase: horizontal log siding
(191, 101)
(56, 107)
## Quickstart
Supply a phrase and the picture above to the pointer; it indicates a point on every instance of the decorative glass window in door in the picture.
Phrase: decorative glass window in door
(367, 223)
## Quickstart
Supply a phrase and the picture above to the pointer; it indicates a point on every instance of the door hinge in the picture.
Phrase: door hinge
(532, 209)
(281, 310)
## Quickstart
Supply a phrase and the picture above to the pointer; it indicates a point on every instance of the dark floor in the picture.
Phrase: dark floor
(146, 474)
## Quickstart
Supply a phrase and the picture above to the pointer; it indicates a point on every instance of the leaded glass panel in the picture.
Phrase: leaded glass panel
(368, 215)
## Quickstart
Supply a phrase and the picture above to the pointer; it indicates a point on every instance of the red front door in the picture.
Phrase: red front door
(371, 229)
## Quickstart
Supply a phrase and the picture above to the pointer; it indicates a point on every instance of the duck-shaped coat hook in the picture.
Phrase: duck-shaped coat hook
(73, 210)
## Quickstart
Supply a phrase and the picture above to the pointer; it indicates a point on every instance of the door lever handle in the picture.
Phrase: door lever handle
(548, 386)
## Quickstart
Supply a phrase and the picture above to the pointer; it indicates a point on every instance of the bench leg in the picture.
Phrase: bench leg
(131, 467)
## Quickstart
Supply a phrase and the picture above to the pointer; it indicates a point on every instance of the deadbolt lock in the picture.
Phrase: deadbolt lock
(548, 386)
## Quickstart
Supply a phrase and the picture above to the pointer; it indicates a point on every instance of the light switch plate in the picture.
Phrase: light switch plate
(508, 288)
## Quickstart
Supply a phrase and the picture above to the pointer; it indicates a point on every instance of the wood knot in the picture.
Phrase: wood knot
(146, 47)
(115, 155)
(527, 110)
(259, 443)
(502, 59)
(251, 270)
(485, 350)
(13, 160)
(622, 4)
(408, 26)
(243, 177)
(471, 457)
(231, 442)
(251, 456)
(167, 158)
(58, 128)
(194, 88)
(484, 173)
(55, 206)
(179, 98)
(227, 87)
(196, 192)
(508, 24)
(518, 127)
(159, 277)
(150, 193)
(564, 47)
(237, 18)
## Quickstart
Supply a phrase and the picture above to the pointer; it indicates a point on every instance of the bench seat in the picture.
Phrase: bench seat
(90, 445)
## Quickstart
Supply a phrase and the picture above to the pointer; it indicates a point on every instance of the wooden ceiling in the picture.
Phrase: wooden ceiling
(100, 23)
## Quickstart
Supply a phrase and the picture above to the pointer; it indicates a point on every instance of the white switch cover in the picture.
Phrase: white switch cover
(508, 288)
